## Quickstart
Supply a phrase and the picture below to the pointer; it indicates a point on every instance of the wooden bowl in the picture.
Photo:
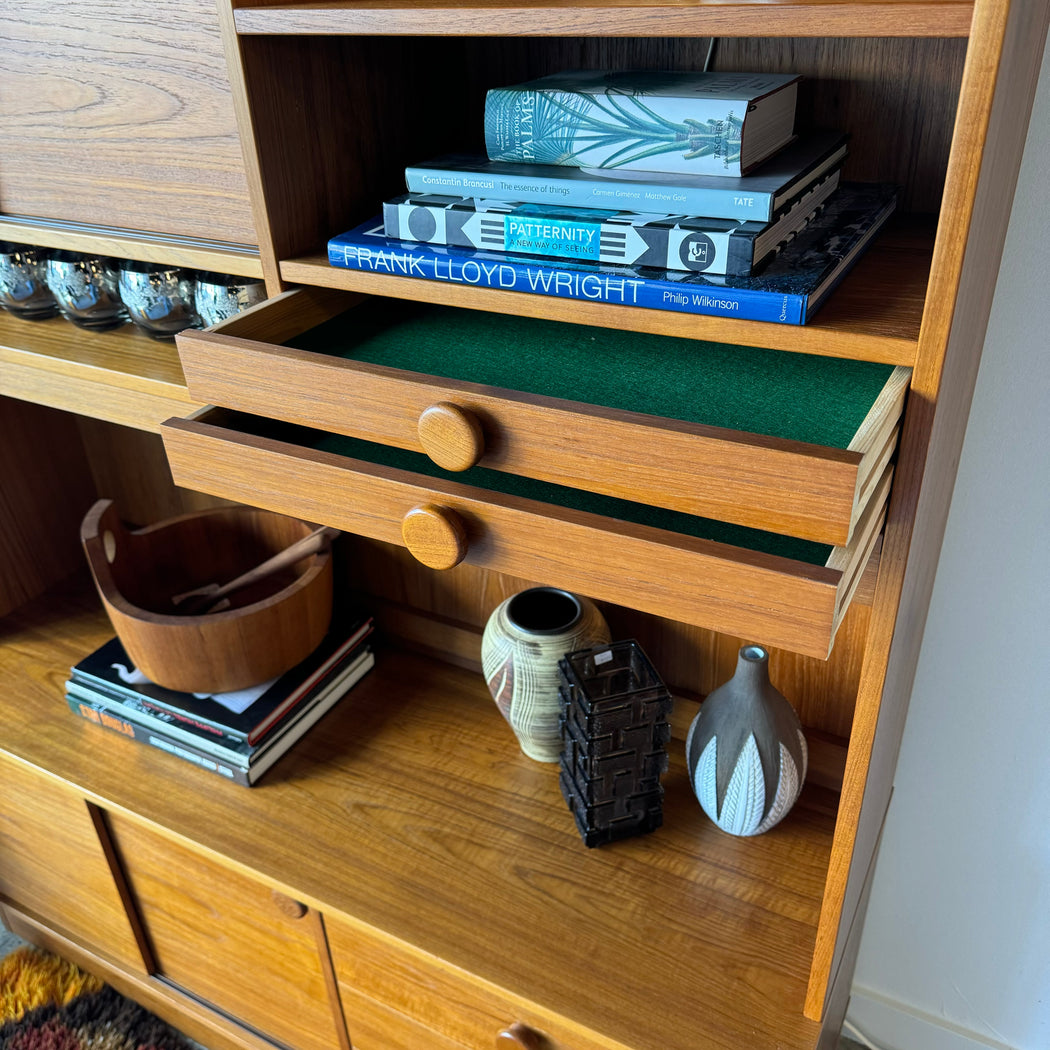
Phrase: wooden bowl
(271, 625)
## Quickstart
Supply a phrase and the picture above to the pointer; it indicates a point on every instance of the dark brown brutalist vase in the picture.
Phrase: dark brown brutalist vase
(614, 727)
(745, 750)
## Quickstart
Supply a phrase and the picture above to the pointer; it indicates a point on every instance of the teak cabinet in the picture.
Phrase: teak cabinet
(404, 877)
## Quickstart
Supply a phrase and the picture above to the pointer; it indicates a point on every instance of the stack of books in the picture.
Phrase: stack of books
(686, 192)
(237, 735)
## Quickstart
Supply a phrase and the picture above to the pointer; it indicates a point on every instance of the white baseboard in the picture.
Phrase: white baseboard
(892, 1025)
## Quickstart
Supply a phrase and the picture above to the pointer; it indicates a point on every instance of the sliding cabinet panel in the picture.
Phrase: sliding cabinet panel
(229, 939)
(392, 990)
(120, 115)
(54, 866)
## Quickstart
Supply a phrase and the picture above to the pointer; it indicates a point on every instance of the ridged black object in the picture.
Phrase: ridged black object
(614, 710)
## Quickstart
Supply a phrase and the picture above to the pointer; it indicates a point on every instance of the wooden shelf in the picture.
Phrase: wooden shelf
(874, 315)
(410, 809)
(656, 18)
(193, 253)
(121, 376)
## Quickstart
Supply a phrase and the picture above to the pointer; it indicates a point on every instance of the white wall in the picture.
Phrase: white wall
(956, 945)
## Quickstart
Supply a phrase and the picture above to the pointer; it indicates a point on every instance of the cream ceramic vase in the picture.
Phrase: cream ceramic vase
(525, 637)
(745, 750)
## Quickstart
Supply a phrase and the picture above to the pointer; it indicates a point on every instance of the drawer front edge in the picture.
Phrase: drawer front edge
(782, 603)
(789, 487)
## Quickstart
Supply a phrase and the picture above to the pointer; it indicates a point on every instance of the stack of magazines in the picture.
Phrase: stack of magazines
(237, 735)
(686, 192)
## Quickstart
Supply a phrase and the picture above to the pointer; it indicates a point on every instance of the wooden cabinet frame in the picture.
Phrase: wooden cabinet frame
(311, 105)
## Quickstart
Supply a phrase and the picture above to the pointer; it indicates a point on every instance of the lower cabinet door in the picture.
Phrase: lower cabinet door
(397, 998)
(54, 867)
(230, 940)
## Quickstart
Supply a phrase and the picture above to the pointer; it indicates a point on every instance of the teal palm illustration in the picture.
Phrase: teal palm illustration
(613, 130)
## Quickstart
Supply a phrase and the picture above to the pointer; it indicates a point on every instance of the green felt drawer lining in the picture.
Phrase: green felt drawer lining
(797, 397)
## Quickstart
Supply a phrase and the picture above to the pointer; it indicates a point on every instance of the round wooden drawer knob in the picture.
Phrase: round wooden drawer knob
(435, 536)
(451, 436)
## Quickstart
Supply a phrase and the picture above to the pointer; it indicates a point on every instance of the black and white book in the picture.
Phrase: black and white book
(243, 766)
(246, 715)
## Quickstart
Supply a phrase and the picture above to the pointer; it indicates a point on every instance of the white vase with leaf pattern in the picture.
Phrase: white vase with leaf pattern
(745, 750)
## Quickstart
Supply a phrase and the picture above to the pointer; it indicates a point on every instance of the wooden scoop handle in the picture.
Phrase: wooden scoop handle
(310, 544)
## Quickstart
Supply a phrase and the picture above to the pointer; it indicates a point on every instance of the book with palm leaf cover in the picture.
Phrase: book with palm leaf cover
(676, 122)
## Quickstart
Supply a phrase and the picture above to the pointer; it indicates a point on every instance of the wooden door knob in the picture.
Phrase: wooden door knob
(521, 1037)
(434, 535)
(451, 436)
(288, 905)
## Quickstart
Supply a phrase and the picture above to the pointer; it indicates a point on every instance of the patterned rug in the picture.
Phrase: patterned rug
(47, 1003)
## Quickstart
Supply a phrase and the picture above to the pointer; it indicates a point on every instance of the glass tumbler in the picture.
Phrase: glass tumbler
(220, 296)
(85, 287)
(159, 298)
(23, 282)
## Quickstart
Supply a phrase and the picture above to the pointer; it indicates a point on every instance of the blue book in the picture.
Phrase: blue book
(760, 196)
(788, 291)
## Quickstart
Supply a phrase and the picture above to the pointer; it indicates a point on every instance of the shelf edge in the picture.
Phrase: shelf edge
(240, 260)
(809, 339)
(851, 18)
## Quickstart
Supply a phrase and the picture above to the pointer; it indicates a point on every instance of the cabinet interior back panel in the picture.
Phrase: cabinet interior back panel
(120, 115)
(334, 130)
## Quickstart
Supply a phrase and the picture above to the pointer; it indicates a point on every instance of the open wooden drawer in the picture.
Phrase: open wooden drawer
(780, 591)
(787, 443)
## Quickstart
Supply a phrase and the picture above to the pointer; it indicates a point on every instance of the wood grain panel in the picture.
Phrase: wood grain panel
(222, 936)
(45, 487)
(120, 115)
(320, 173)
(53, 865)
(452, 1005)
(374, 1026)
(190, 1016)
(632, 18)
